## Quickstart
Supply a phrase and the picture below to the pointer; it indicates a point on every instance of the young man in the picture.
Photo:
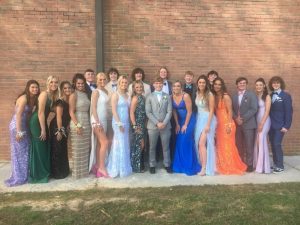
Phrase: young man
(281, 114)
(89, 75)
(245, 106)
(159, 112)
(113, 75)
(190, 88)
(211, 76)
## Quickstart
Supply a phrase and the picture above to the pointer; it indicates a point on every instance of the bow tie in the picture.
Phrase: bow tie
(158, 92)
(93, 85)
(165, 83)
(114, 85)
(188, 86)
(241, 92)
(275, 93)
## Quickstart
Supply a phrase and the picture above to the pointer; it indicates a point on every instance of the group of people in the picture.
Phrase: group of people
(198, 127)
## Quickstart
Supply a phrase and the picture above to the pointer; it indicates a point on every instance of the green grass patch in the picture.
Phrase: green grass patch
(220, 204)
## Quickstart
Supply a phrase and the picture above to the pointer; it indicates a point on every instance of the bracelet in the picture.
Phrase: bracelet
(78, 125)
(96, 125)
(134, 126)
(20, 134)
(119, 124)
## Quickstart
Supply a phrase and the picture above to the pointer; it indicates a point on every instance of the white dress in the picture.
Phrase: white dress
(119, 163)
(102, 103)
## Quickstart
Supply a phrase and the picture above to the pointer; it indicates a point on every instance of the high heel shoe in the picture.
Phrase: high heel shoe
(99, 174)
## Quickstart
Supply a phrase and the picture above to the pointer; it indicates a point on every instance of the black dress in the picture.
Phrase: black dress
(59, 149)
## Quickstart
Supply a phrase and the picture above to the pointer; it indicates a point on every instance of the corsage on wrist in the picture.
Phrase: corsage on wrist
(78, 125)
(119, 124)
(21, 134)
(134, 126)
(61, 131)
(96, 124)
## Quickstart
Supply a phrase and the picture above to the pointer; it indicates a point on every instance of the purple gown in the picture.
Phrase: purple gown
(19, 151)
(261, 151)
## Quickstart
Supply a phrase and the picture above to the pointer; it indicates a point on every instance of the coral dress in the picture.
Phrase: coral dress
(228, 158)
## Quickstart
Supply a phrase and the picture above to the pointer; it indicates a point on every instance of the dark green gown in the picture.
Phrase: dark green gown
(39, 163)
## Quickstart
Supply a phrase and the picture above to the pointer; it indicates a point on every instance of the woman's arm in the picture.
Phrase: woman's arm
(59, 112)
(94, 102)
(228, 106)
(132, 110)
(175, 116)
(72, 110)
(41, 114)
(20, 105)
(211, 106)
(188, 105)
(266, 113)
(114, 103)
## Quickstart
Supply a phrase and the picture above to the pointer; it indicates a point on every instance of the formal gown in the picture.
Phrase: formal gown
(261, 150)
(185, 157)
(228, 160)
(81, 144)
(102, 104)
(59, 149)
(119, 157)
(202, 118)
(137, 153)
(39, 164)
(19, 150)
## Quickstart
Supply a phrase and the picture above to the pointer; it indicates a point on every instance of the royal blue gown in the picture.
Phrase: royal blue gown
(185, 158)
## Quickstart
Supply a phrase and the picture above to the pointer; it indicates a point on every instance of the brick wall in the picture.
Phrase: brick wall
(37, 39)
(249, 38)
(254, 38)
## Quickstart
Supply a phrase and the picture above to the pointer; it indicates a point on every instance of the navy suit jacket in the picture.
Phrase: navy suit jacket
(281, 112)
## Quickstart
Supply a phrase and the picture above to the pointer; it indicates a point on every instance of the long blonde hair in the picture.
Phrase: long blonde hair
(53, 95)
(122, 77)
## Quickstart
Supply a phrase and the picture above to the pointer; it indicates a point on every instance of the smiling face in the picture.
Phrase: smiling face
(259, 87)
(177, 88)
(90, 77)
(188, 78)
(67, 89)
(53, 84)
(242, 85)
(138, 76)
(158, 85)
(276, 85)
(123, 84)
(33, 89)
(113, 76)
(217, 86)
(101, 81)
(79, 85)
(138, 88)
(201, 84)
(163, 73)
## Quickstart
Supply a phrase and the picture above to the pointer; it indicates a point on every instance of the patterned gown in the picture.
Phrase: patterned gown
(59, 149)
(119, 156)
(137, 153)
(81, 144)
(19, 151)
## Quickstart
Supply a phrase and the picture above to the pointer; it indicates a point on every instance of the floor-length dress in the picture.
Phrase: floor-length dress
(39, 163)
(137, 153)
(59, 149)
(185, 157)
(19, 150)
(228, 160)
(102, 103)
(81, 144)
(202, 118)
(261, 156)
(119, 157)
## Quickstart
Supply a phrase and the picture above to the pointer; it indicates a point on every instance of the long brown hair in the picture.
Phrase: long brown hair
(265, 91)
(26, 92)
(206, 90)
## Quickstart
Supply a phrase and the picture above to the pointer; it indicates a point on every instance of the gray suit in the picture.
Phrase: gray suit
(159, 112)
(245, 133)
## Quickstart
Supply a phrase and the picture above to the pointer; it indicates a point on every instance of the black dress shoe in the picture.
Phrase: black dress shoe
(152, 170)
(168, 169)
(249, 169)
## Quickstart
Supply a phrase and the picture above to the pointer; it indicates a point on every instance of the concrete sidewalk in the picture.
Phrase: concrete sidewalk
(160, 179)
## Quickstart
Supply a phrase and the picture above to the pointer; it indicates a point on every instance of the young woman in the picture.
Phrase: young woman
(99, 125)
(261, 159)
(119, 157)
(138, 121)
(19, 134)
(281, 115)
(228, 160)
(40, 147)
(185, 158)
(205, 126)
(80, 127)
(59, 133)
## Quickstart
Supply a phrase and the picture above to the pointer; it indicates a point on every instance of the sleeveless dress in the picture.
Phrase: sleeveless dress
(59, 149)
(19, 150)
(102, 104)
(119, 156)
(81, 143)
(185, 157)
(228, 158)
(39, 163)
(261, 156)
(137, 153)
(202, 118)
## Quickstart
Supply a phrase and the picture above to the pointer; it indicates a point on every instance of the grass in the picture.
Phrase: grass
(238, 204)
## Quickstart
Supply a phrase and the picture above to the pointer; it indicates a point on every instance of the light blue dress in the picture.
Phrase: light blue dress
(119, 157)
(202, 117)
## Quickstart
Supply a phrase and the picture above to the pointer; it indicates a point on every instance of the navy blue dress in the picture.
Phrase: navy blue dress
(185, 158)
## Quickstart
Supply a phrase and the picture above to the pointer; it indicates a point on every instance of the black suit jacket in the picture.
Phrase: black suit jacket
(192, 92)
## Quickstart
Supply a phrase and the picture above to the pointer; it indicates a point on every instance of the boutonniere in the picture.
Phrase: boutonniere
(245, 100)
(278, 99)
(165, 97)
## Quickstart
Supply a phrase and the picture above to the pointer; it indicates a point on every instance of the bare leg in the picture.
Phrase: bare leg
(101, 150)
(202, 153)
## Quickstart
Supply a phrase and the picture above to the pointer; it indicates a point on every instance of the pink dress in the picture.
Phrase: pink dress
(261, 159)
